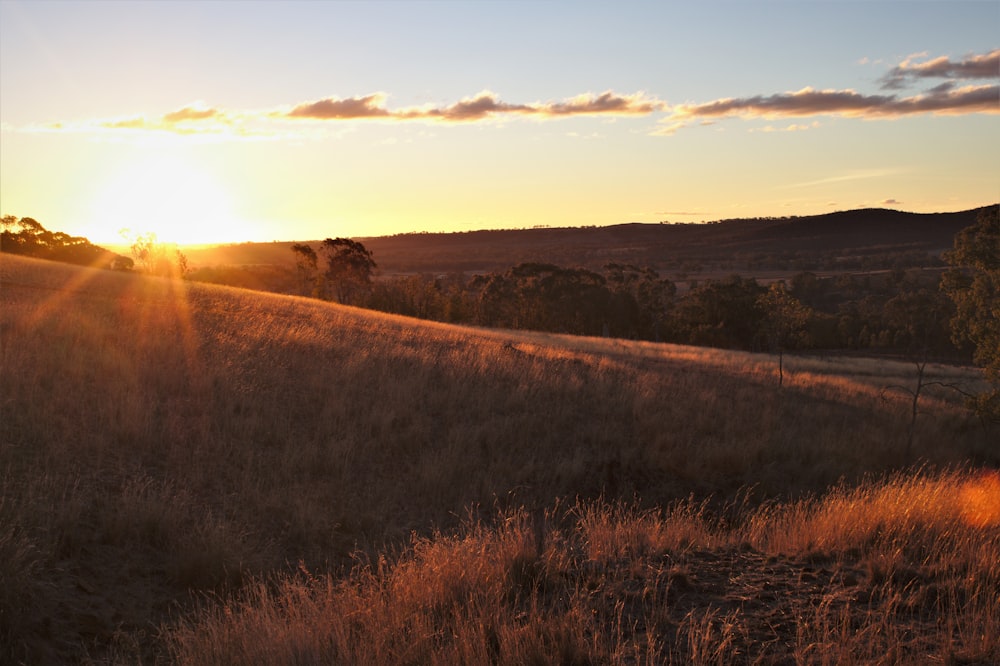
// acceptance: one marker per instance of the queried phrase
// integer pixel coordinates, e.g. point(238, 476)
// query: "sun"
point(169, 196)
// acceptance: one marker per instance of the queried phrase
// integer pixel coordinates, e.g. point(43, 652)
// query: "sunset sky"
point(230, 121)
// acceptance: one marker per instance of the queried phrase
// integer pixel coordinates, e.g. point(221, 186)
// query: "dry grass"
point(162, 438)
point(613, 585)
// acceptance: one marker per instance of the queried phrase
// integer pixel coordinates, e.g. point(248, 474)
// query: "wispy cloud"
point(860, 174)
point(957, 95)
point(194, 120)
point(198, 112)
point(984, 66)
point(809, 102)
point(962, 88)
point(483, 106)
point(199, 119)
point(353, 108)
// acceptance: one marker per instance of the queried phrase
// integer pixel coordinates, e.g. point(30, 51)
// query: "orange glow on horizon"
point(168, 196)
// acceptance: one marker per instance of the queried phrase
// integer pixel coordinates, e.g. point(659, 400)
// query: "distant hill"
point(808, 240)
point(870, 227)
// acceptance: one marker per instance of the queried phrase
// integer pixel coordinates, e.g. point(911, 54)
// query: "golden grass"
point(161, 438)
point(611, 584)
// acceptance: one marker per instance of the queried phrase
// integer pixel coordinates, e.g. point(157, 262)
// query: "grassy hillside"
point(357, 487)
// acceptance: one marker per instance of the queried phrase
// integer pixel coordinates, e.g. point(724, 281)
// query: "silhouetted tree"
point(307, 268)
point(155, 257)
point(973, 284)
point(917, 324)
point(543, 297)
point(640, 300)
point(28, 237)
point(349, 269)
point(720, 313)
point(809, 289)
point(783, 323)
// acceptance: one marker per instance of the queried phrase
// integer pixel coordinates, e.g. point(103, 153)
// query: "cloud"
point(848, 103)
point(954, 96)
point(961, 88)
point(195, 121)
point(669, 130)
point(213, 123)
point(892, 202)
point(482, 106)
point(354, 108)
point(984, 66)
point(192, 119)
point(137, 123)
point(805, 102)
point(860, 174)
point(606, 103)
point(194, 113)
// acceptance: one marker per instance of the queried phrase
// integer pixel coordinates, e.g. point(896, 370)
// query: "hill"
point(363, 488)
point(812, 241)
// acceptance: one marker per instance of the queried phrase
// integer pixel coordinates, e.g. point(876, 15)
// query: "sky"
point(207, 122)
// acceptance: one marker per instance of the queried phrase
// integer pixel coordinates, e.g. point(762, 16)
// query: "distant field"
point(199, 474)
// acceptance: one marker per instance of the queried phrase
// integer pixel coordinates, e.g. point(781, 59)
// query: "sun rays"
point(154, 312)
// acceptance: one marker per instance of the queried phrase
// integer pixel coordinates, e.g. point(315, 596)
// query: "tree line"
point(900, 311)
point(914, 313)
point(26, 236)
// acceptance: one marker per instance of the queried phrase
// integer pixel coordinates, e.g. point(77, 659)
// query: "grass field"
point(194, 474)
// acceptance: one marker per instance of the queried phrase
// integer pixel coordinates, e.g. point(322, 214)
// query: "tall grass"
point(161, 438)
point(613, 584)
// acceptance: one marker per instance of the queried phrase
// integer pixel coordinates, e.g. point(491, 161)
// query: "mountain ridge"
point(663, 245)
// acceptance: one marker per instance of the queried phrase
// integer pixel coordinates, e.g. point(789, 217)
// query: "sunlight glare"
point(169, 197)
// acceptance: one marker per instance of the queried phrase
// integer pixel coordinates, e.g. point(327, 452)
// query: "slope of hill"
point(162, 438)
point(661, 246)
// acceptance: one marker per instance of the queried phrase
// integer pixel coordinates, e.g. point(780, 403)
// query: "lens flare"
point(980, 500)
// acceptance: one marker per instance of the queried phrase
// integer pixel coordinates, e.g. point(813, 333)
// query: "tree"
point(784, 322)
point(973, 283)
point(543, 297)
point(721, 313)
point(307, 267)
point(28, 237)
point(640, 300)
point(915, 321)
point(155, 257)
point(349, 269)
